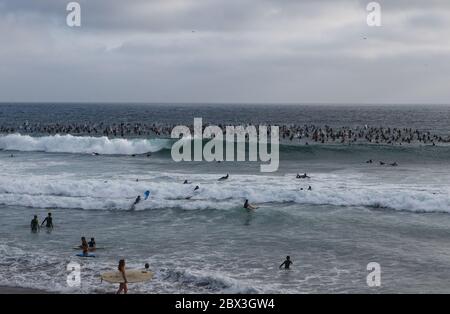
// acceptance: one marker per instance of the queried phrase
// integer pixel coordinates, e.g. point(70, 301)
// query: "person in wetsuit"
point(224, 177)
point(286, 263)
point(48, 220)
point(34, 224)
point(138, 199)
point(92, 244)
point(249, 206)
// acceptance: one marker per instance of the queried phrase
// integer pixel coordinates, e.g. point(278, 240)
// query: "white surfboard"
point(133, 276)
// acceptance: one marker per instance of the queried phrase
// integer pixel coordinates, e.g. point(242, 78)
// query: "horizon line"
point(222, 103)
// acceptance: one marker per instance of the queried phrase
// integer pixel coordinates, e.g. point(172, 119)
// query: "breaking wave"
point(82, 144)
point(268, 192)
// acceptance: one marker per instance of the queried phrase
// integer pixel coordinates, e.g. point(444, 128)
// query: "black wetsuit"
point(91, 243)
point(34, 224)
point(49, 221)
point(286, 264)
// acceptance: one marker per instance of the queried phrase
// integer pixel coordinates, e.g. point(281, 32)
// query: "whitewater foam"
point(267, 191)
point(82, 144)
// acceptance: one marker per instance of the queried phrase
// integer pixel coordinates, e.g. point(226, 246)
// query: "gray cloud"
point(225, 51)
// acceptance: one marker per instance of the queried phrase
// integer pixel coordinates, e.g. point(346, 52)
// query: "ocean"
point(355, 213)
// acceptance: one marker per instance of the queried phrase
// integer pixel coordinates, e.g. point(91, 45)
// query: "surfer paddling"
point(224, 177)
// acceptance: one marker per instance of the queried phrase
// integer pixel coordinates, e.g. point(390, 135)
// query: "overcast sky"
point(316, 51)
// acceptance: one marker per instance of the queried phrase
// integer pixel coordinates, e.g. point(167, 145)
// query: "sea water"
point(356, 213)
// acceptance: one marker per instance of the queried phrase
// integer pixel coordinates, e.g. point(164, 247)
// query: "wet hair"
point(35, 216)
point(92, 239)
point(49, 214)
point(288, 257)
point(147, 265)
point(121, 264)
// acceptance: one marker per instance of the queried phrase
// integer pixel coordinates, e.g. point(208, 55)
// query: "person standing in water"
point(286, 263)
point(92, 244)
point(34, 224)
point(49, 221)
point(123, 286)
point(84, 246)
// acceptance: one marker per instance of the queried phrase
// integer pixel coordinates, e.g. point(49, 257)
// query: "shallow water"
point(356, 213)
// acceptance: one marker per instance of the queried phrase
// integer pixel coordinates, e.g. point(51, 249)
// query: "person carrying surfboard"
point(123, 286)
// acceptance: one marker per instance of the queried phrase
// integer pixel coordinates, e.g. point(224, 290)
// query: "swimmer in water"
point(303, 176)
point(286, 263)
point(382, 163)
point(186, 182)
point(224, 178)
point(92, 245)
point(34, 224)
point(195, 189)
point(249, 206)
point(136, 201)
point(309, 188)
point(48, 221)
point(394, 164)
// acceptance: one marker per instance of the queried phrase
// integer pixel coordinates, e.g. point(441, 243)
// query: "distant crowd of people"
point(307, 133)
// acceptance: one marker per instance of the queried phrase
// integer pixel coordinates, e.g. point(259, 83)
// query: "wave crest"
point(82, 144)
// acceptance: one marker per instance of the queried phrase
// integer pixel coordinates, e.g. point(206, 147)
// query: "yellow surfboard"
point(133, 276)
